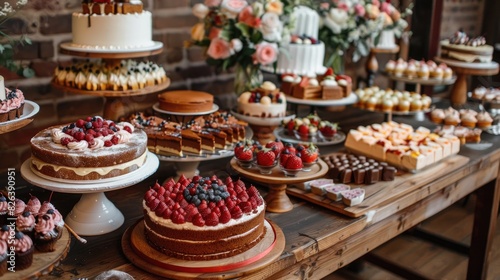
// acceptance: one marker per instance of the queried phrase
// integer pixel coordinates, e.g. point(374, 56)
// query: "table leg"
point(263, 133)
point(483, 232)
point(458, 94)
point(277, 200)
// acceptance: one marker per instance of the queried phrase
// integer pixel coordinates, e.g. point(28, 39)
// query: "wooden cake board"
point(140, 253)
point(43, 262)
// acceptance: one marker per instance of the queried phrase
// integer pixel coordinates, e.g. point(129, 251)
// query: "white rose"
point(231, 8)
point(236, 45)
point(200, 11)
point(258, 9)
point(336, 20)
point(271, 27)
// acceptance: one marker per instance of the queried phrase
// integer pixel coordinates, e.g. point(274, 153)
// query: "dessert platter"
point(368, 197)
point(90, 157)
point(466, 56)
point(15, 111)
point(310, 129)
point(203, 138)
point(217, 228)
point(131, 37)
point(277, 201)
point(36, 242)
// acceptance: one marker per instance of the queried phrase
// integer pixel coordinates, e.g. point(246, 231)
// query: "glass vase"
point(246, 78)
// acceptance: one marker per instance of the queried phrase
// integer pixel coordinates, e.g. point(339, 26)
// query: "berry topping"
point(266, 157)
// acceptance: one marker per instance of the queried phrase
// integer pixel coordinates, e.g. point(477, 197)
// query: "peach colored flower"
point(219, 49)
point(274, 6)
point(372, 11)
point(247, 17)
point(266, 53)
point(200, 10)
point(231, 8)
point(212, 3)
point(386, 7)
point(198, 31)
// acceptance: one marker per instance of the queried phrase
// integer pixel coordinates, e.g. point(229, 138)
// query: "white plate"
point(262, 121)
point(351, 99)
point(77, 48)
point(84, 186)
point(156, 107)
point(318, 140)
point(30, 109)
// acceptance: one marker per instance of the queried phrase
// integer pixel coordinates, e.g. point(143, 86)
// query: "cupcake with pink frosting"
point(3, 257)
point(4, 210)
point(25, 223)
point(46, 233)
point(23, 248)
point(33, 205)
point(19, 207)
point(13, 106)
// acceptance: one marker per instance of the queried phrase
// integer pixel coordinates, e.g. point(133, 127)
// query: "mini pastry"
point(423, 72)
point(416, 105)
point(390, 66)
point(468, 120)
point(353, 197)
point(46, 234)
point(3, 257)
point(404, 106)
point(484, 120)
point(437, 116)
point(333, 191)
point(23, 248)
point(25, 223)
point(452, 119)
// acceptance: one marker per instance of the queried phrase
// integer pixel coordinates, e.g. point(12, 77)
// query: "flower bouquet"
point(242, 34)
point(394, 21)
point(349, 23)
point(8, 44)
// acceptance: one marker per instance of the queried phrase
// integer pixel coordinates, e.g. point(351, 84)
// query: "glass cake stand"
point(94, 214)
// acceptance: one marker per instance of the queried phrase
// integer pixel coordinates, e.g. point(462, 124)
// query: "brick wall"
point(48, 24)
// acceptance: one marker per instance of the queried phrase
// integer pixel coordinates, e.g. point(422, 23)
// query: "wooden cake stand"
point(277, 200)
point(418, 82)
point(458, 94)
point(117, 103)
point(137, 249)
point(43, 263)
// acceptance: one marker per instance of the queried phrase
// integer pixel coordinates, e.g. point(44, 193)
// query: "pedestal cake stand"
point(116, 102)
point(263, 128)
point(277, 200)
point(94, 214)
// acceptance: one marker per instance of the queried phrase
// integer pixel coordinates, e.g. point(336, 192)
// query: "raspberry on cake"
point(203, 218)
point(264, 102)
point(88, 149)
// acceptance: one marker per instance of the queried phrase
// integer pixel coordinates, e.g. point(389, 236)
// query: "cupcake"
point(45, 207)
point(57, 217)
point(437, 116)
point(387, 105)
point(19, 209)
point(25, 223)
point(484, 120)
point(426, 102)
point(423, 72)
point(371, 103)
point(451, 119)
point(46, 234)
point(390, 66)
point(447, 73)
point(3, 257)
point(4, 232)
point(468, 120)
point(23, 248)
point(416, 105)
point(3, 209)
point(479, 93)
point(437, 73)
point(33, 205)
point(404, 105)
point(399, 70)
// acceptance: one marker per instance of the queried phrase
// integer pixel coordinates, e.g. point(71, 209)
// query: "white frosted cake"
point(266, 102)
point(118, 25)
point(305, 53)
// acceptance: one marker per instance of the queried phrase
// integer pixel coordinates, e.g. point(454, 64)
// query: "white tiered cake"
point(305, 53)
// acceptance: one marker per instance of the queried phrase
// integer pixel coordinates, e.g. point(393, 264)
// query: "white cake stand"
point(94, 214)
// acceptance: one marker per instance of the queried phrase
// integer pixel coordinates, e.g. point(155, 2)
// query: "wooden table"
point(318, 241)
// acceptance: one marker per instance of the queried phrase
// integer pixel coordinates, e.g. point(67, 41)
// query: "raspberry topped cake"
point(203, 218)
point(88, 149)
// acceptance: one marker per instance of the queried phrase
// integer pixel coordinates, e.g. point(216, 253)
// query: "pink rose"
point(231, 8)
point(376, 3)
point(212, 3)
point(219, 49)
point(386, 8)
point(214, 33)
point(266, 53)
point(324, 6)
point(360, 10)
point(246, 16)
point(343, 6)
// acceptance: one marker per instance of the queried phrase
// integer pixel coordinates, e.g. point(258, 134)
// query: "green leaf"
point(245, 29)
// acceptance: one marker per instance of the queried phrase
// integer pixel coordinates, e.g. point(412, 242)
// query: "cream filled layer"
point(189, 226)
point(82, 171)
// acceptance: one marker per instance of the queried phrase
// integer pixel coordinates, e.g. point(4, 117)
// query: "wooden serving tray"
point(43, 263)
point(140, 253)
point(382, 193)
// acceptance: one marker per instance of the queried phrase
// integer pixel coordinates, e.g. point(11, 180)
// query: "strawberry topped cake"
point(203, 218)
point(88, 149)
